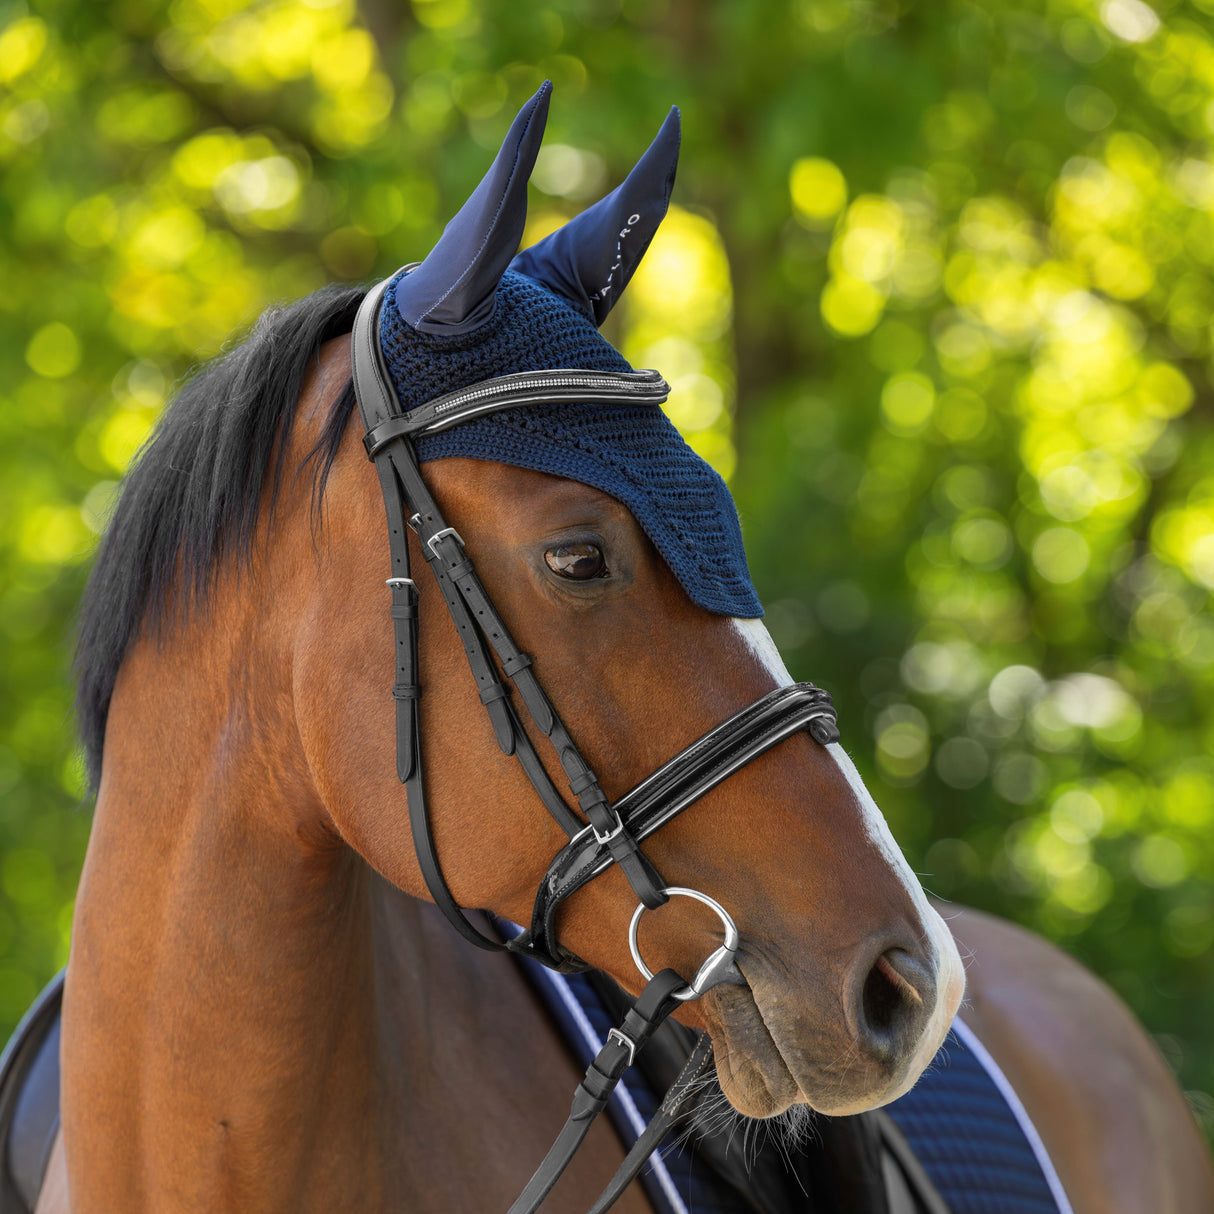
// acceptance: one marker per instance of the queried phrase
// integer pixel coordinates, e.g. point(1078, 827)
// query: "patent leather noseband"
point(605, 833)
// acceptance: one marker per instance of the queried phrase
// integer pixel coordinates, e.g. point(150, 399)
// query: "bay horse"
point(264, 1008)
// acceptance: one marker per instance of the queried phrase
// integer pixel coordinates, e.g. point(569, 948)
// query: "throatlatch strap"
point(590, 1097)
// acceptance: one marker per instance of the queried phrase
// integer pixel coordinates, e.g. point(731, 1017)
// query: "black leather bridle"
point(610, 833)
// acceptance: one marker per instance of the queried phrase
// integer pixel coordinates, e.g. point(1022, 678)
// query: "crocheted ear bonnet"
point(473, 310)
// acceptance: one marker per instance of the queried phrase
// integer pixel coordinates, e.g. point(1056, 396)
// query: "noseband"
point(606, 834)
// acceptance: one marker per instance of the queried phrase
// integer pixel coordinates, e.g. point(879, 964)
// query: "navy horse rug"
point(961, 1128)
point(959, 1142)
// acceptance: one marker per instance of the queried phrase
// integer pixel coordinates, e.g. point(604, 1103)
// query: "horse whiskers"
point(714, 1116)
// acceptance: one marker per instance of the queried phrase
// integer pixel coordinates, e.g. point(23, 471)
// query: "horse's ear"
point(452, 291)
point(591, 258)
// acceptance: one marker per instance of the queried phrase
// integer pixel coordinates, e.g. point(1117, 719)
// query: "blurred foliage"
point(938, 300)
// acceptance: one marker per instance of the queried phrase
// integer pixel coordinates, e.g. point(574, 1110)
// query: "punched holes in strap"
point(446, 548)
point(466, 599)
point(405, 691)
point(494, 697)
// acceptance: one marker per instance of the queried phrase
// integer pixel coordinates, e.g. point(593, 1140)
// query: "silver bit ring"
point(718, 966)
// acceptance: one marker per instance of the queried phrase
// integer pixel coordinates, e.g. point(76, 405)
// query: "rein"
point(606, 834)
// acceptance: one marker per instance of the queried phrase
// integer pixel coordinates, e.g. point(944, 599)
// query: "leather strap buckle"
point(432, 542)
point(613, 833)
point(623, 1039)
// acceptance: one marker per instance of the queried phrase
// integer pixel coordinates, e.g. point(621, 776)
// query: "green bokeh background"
point(937, 299)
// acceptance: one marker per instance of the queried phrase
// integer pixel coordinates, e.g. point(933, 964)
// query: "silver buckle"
point(617, 830)
point(624, 1040)
point(438, 535)
point(399, 581)
point(716, 969)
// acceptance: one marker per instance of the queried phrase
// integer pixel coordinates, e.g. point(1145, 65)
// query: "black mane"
point(192, 498)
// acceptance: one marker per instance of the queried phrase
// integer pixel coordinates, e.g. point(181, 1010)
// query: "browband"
point(480, 629)
point(556, 387)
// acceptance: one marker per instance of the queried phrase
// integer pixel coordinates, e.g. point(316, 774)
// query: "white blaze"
point(950, 973)
point(758, 641)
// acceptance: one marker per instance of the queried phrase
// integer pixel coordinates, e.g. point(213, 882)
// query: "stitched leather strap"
point(614, 832)
point(678, 1103)
point(602, 1075)
point(444, 551)
point(556, 387)
point(691, 774)
point(477, 622)
point(372, 384)
point(377, 402)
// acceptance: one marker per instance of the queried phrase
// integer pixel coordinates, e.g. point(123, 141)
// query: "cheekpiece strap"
point(377, 402)
point(613, 832)
point(389, 442)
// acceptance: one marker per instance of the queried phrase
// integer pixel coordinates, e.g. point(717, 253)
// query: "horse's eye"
point(578, 561)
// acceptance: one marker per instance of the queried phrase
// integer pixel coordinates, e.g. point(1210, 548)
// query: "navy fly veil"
point(473, 310)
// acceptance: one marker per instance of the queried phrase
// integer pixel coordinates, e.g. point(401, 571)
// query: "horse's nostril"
point(882, 998)
point(894, 1003)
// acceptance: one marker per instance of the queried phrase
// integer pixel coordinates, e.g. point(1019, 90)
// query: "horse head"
point(237, 709)
point(614, 558)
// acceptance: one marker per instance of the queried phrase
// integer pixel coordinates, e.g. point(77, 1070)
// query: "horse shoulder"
point(1107, 1108)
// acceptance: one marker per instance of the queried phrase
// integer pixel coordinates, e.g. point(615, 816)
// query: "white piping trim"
point(591, 1038)
point(1000, 1080)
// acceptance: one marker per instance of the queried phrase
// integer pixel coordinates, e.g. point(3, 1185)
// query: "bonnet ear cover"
point(473, 311)
point(590, 260)
point(452, 291)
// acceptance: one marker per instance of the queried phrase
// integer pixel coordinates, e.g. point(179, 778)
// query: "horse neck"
point(264, 1025)
point(221, 1003)
point(254, 1018)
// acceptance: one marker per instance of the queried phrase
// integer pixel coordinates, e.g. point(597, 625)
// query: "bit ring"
point(713, 970)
